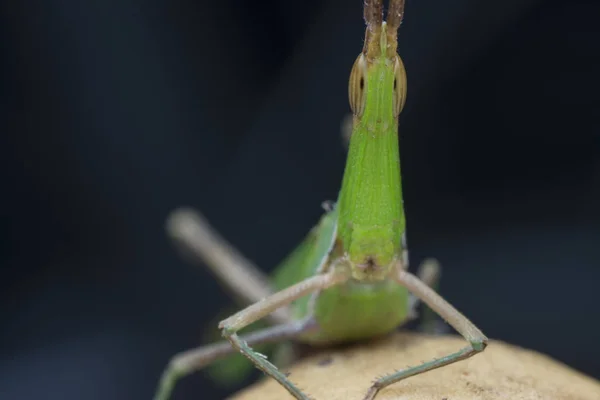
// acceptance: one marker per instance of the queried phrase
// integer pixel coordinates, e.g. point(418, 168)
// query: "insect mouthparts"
point(369, 265)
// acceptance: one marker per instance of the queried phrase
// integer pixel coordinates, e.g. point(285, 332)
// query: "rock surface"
point(502, 371)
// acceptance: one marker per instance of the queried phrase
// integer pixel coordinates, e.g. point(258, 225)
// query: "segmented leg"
point(197, 238)
point(477, 340)
point(429, 272)
point(256, 311)
point(192, 360)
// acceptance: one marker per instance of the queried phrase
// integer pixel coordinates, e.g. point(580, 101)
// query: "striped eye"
point(357, 86)
point(399, 86)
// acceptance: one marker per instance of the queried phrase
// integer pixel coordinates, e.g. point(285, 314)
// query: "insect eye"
point(357, 86)
point(399, 86)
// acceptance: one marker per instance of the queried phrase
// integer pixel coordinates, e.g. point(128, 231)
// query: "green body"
point(369, 213)
point(371, 220)
point(365, 227)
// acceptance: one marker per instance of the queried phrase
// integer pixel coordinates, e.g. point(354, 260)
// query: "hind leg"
point(196, 238)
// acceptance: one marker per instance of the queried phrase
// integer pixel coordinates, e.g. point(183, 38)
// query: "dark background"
point(115, 112)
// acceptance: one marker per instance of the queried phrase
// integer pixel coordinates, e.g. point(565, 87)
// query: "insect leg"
point(477, 340)
point(194, 234)
point(188, 361)
point(256, 311)
point(429, 272)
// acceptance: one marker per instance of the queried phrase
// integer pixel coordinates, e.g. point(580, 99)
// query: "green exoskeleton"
point(348, 279)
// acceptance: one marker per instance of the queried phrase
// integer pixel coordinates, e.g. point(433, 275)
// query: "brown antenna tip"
point(373, 13)
point(395, 14)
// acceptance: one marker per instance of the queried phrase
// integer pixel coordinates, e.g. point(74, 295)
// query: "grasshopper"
point(348, 279)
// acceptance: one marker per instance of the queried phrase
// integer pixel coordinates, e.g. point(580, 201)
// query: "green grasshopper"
point(348, 279)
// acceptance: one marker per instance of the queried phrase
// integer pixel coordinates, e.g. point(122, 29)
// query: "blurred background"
point(115, 112)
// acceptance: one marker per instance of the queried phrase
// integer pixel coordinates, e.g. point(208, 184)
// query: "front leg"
point(429, 273)
point(477, 340)
point(259, 310)
point(192, 360)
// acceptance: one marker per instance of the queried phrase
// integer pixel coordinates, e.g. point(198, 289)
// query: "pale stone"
point(502, 371)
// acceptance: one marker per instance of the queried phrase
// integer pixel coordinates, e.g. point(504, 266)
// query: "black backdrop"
point(115, 112)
